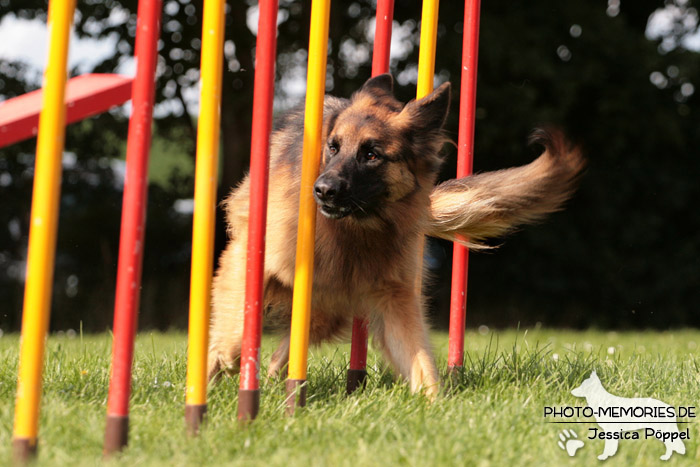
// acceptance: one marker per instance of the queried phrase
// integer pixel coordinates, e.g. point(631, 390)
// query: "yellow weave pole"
point(313, 121)
point(426, 72)
point(204, 212)
point(428, 44)
point(42, 231)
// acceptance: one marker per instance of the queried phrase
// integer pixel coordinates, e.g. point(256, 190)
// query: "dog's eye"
point(370, 156)
point(333, 149)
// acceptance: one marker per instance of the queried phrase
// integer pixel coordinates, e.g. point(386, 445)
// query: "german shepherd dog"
point(377, 201)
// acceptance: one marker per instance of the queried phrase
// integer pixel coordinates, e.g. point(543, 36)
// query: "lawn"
point(492, 416)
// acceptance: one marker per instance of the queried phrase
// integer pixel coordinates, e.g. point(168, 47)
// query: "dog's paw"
point(431, 392)
point(569, 443)
point(220, 365)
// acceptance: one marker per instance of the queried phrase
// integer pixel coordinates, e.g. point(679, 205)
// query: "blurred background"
point(619, 76)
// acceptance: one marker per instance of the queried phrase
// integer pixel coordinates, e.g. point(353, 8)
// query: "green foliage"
point(623, 253)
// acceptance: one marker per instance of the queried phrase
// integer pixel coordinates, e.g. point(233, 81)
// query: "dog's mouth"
point(334, 212)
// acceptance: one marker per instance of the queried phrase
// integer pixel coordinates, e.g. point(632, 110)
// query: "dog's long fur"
point(376, 200)
point(490, 204)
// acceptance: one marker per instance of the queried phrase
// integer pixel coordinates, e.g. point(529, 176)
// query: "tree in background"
point(621, 255)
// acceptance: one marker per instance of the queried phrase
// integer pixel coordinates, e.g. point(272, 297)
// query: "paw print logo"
point(569, 442)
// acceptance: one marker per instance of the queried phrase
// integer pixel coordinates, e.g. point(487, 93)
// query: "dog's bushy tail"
point(490, 204)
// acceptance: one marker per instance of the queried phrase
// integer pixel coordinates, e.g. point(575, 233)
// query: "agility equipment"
point(263, 94)
point(465, 156)
point(82, 96)
point(205, 182)
point(426, 70)
point(424, 86)
point(357, 373)
point(133, 226)
point(42, 232)
point(86, 95)
point(91, 94)
point(428, 44)
point(303, 276)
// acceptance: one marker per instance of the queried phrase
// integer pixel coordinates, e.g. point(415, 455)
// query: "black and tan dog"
point(377, 200)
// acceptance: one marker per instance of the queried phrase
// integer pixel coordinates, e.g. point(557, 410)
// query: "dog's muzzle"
point(327, 193)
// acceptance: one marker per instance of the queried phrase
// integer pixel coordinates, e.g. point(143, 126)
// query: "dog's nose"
point(326, 190)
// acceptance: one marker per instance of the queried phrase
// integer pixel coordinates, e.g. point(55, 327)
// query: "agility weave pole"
point(428, 44)
point(42, 232)
point(206, 167)
point(357, 373)
point(424, 86)
point(303, 276)
point(133, 225)
point(263, 94)
point(465, 157)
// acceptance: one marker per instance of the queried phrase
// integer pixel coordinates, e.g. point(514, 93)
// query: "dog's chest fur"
point(349, 257)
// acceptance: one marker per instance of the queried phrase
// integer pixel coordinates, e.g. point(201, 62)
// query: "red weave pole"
point(465, 156)
point(382, 37)
point(133, 224)
point(380, 65)
point(263, 94)
point(358, 350)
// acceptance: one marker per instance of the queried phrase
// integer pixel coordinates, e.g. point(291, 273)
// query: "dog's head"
point(588, 386)
point(379, 151)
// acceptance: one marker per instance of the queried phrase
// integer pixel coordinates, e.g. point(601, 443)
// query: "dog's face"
point(379, 151)
point(588, 385)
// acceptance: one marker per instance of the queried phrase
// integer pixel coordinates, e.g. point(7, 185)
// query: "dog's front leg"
point(401, 332)
point(228, 301)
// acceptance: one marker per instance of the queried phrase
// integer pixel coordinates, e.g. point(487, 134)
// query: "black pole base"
point(194, 416)
point(356, 379)
point(24, 450)
point(116, 434)
point(296, 394)
point(248, 404)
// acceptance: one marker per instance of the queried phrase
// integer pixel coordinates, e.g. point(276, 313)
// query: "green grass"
point(494, 416)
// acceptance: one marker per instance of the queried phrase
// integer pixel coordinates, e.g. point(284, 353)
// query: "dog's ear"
point(430, 112)
point(381, 85)
point(594, 375)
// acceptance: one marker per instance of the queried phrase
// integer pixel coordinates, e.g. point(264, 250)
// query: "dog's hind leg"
point(401, 332)
point(279, 358)
point(228, 300)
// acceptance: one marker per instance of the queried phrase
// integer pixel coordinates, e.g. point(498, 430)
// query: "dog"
point(376, 198)
point(608, 412)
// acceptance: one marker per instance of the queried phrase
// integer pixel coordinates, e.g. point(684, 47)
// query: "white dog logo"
point(620, 417)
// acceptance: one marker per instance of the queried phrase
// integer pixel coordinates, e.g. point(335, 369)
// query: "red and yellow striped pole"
point(465, 155)
point(380, 64)
point(42, 232)
point(304, 268)
point(263, 94)
point(204, 212)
